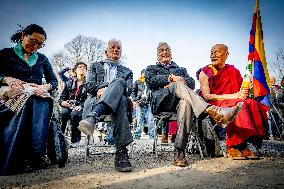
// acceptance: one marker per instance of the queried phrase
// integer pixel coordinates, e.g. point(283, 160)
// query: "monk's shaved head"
point(219, 54)
point(222, 46)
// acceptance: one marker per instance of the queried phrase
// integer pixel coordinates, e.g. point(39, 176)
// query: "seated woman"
point(25, 115)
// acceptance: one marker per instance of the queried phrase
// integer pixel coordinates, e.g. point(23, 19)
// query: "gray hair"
point(111, 41)
point(161, 44)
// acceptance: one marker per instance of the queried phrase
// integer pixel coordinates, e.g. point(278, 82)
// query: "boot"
point(87, 126)
point(179, 158)
point(27, 166)
point(121, 162)
point(223, 116)
point(40, 162)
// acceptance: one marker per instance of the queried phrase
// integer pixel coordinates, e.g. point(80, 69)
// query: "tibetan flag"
point(260, 76)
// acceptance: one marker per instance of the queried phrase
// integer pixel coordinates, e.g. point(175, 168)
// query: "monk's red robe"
point(251, 120)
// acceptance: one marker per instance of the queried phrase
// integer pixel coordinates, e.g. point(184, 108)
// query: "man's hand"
point(101, 91)
point(177, 78)
point(174, 78)
point(243, 93)
point(65, 104)
point(77, 108)
point(168, 85)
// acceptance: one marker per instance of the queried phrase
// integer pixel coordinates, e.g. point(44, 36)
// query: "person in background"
point(143, 108)
point(275, 117)
point(71, 72)
point(25, 117)
point(72, 100)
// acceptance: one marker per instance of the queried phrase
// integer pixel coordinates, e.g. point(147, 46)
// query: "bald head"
point(219, 54)
point(221, 46)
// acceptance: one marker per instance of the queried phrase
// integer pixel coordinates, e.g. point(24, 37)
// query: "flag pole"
point(247, 81)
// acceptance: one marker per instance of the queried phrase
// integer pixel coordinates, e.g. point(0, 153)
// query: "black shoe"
point(27, 166)
point(122, 163)
point(39, 163)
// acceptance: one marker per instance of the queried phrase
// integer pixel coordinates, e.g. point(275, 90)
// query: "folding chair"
point(89, 144)
point(210, 143)
point(171, 116)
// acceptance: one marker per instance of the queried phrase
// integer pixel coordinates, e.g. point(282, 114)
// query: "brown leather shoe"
point(179, 158)
point(235, 154)
point(249, 154)
point(223, 116)
point(164, 138)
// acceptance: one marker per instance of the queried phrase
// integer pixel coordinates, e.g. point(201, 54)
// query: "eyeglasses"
point(164, 50)
point(82, 67)
point(35, 42)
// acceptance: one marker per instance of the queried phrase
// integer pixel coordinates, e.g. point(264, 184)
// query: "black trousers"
point(75, 117)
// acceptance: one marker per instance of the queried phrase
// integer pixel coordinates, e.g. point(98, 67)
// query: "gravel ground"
point(150, 172)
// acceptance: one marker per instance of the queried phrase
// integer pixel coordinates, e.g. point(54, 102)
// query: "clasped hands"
point(173, 78)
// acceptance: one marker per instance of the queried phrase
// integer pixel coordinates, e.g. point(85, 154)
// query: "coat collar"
point(172, 65)
point(112, 62)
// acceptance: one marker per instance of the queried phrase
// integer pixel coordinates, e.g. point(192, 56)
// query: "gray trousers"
point(186, 102)
point(115, 98)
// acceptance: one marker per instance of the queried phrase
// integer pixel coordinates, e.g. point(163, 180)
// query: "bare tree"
point(79, 49)
point(75, 48)
point(94, 49)
point(85, 49)
point(277, 66)
point(59, 60)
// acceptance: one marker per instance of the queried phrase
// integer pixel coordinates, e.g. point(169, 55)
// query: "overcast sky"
point(191, 27)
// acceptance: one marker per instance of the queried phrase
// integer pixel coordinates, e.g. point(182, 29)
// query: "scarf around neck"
point(19, 50)
point(110, 67)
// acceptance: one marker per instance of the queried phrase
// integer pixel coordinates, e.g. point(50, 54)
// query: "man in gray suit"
point(172, 90)
point(113, 83)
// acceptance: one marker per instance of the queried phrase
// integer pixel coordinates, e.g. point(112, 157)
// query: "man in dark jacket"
point(172, 90)
point(72, 101)
point(114, 82)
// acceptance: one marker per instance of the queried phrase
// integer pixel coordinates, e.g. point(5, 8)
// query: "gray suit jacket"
point(96, 75)
point(95, 81)
point(156, 77)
